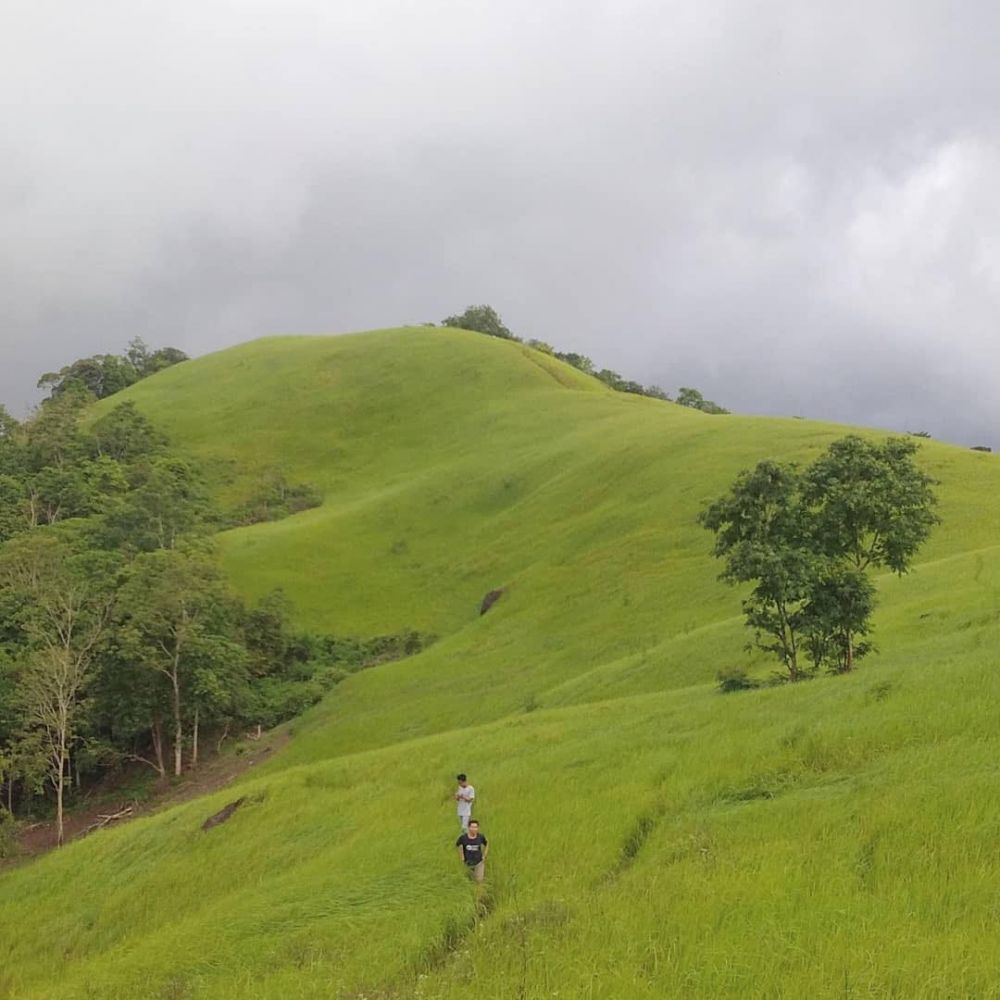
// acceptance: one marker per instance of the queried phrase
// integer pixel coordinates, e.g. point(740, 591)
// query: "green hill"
point(650, 837)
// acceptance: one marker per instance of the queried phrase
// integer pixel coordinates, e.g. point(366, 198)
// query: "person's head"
point(462, 780)
point(473, 827)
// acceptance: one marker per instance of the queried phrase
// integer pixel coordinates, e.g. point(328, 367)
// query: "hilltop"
point(652, 837)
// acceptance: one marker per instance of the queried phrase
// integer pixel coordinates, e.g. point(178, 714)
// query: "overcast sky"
point(792, 206)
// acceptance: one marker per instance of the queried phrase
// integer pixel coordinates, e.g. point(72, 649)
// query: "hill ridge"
point(446, 471)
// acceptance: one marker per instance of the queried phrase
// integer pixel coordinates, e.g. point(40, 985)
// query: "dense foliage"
point(804, 539)
point(119, 638)
point(105, 374)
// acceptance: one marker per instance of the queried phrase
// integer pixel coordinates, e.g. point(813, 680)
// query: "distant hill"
point(651, 837)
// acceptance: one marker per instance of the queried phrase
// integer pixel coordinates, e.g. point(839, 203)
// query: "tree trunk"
point(788, 643)
point(175, 680)
point(178, 736)
point(60, 783)
point(157, 735)
point(194, 741)
point(849, 660)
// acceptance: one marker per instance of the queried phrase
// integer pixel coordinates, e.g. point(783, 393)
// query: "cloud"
point(787, 205)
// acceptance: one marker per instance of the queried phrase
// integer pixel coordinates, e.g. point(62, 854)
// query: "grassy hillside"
point(651, 838)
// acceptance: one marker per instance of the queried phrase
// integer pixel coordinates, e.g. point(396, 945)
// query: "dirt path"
point(212, 774)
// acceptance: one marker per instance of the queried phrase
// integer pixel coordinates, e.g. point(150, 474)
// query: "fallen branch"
point(103, 819)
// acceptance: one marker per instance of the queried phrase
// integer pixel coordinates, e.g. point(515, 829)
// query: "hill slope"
point(650, 837)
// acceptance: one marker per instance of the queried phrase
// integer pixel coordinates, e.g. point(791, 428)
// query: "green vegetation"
point(687, 396)
point(485, 319)
point(649, 837)
point(120, 640)
point(805, 540)
point(105, 374)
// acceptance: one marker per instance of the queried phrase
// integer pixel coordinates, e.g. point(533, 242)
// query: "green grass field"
point(650, 837)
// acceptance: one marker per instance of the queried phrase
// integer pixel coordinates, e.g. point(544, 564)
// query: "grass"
point(650, 837)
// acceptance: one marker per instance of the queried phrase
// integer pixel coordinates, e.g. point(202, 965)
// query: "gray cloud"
point(791, 206)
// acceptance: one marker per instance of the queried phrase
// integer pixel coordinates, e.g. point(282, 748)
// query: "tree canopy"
point(686, 396)
point(804, 539)
point(119, 638)
point(103, 375)
point(482, 319)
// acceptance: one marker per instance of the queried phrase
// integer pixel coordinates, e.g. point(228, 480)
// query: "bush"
point(481, 319)
point(735, 679)
point(8, 834)
point(276, 499)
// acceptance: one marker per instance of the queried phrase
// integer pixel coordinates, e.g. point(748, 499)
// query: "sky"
point(791, 206)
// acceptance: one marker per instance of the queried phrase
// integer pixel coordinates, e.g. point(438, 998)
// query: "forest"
point(121, 644)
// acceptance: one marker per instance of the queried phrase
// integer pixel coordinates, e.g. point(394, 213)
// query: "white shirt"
point(466, 796)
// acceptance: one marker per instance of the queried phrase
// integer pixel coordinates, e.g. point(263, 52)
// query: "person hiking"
point(472, 849)
point(465, 796)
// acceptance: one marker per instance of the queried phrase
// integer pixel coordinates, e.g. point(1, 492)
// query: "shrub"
point(735, 679)
point(8, 834)
point(276, 499)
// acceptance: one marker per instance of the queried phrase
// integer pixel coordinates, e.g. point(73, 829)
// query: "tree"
point(52, 436)
point(761, 533)
point(178, 622)
point(655, 392)
point(102, 375)
point(167, 501)
point(611, 378)
point(481, 319)
point(580, 361)
point(125, 434)
point(871, 505)
point(165, 357)
point(13, 517)
point(837, 616)
point(806, 539)
point(10, 431)
point(541, 345)
point(686, 396)
point(66, 600)
point(137, 354)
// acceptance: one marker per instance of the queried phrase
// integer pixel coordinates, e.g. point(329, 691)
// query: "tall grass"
point(650, 837)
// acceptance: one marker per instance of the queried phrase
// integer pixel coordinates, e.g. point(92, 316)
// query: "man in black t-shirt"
point(472, 849)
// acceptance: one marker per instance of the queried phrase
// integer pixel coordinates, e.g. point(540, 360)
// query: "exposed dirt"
point(490, 599)
point(223, 814)
point(89, 817)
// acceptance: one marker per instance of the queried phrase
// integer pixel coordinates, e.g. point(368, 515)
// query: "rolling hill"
point(650, 837)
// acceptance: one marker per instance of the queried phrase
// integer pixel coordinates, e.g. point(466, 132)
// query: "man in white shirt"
point(464, 796)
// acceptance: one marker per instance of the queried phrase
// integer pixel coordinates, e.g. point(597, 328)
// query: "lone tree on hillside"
point(805, 539)
point(482, 319)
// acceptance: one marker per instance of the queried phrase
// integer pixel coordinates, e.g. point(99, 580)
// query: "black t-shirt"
point(472, 847)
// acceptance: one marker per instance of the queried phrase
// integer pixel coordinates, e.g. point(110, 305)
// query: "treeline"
point(120, 640)
point(485, 319)
point(103, 375)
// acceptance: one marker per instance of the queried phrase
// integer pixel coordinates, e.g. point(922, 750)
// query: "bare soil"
point(86, 819)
